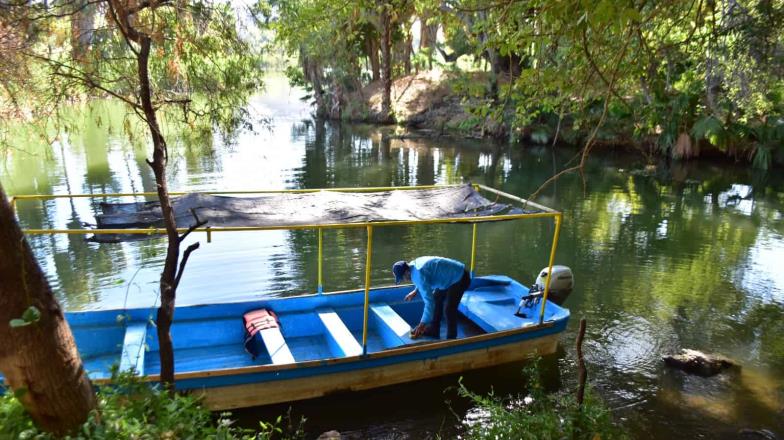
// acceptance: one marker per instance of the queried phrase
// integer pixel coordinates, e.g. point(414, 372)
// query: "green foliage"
point(707, 72)
point(539, 415)
point(205, 64)
point(768, 137)
point(132, 409)
point(29, 316)
point(710, 128)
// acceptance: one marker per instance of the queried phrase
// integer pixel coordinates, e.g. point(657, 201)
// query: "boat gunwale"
point(399, 351)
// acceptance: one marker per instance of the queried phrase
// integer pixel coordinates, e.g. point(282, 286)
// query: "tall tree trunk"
point(408, 50)
point(313, 75)
point(39, 360)
point(493, 58)
point(168, 282)
point(372, 49)
point(428, 34)
point(386, 63)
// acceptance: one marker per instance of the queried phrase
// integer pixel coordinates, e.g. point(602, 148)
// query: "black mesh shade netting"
point(297, 209)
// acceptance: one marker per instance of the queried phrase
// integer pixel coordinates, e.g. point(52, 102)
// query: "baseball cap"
point(399, 270)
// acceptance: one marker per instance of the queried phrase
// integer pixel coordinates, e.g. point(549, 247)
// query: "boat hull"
point(278, 391)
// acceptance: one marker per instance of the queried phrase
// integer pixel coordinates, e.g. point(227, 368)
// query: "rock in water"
point(697, 362)
point(329, 435)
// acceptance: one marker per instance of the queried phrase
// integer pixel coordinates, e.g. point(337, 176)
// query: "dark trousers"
point(448, 299)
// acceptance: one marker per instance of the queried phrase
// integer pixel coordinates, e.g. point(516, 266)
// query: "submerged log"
point(697, 362)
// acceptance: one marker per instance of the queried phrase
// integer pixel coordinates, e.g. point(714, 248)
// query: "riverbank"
point(435, 103)
point(430, 102)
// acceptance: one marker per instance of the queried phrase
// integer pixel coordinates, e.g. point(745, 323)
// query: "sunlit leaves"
point(31, 315)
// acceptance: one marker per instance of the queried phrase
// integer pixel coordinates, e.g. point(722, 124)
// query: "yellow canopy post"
point(368, 264)
point(473, 249)
point(558, 218)
point(320, 279)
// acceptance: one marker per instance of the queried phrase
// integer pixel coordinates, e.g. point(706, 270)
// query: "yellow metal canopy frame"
point(545, 212)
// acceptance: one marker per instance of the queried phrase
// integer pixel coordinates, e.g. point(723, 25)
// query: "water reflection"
point(688, 256)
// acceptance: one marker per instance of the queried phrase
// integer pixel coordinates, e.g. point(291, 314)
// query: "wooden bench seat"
point(276, 346)
point(134, 348)
point(393, 329)
point(341, 342)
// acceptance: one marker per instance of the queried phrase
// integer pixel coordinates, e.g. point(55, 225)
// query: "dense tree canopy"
point(669, 76)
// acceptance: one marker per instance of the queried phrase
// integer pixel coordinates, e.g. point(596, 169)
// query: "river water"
point(688, 256)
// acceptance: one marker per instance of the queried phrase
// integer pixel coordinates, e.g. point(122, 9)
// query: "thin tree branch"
point(591, 140)
point(199, 223)
point(184, 261)
point(147, 4)
point(80, 76)
point(591, 61)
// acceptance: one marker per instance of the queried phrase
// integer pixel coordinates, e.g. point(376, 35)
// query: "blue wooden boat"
point(323, 343)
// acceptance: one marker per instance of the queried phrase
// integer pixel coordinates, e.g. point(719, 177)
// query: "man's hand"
point(419, 330)
point(411, 295)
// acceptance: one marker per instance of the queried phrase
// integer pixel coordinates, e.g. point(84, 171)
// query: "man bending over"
point(441, 282)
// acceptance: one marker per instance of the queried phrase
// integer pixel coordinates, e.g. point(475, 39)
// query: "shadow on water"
point(688, 256)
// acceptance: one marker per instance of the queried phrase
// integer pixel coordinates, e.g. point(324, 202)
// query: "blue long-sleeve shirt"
point(431, 273)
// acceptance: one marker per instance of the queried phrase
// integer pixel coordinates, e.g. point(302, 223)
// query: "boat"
point(270, 350)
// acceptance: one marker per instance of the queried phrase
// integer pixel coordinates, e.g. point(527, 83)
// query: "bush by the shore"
point(539, 415)
point(131, 409)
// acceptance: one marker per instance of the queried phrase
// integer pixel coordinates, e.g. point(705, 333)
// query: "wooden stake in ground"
point(582, 373)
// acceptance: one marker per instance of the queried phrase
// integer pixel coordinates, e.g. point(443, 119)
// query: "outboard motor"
point(561, 284)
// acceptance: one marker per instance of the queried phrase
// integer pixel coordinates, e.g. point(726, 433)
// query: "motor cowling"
point(561, 283)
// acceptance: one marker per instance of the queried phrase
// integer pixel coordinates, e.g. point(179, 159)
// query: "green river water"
point(691, 256)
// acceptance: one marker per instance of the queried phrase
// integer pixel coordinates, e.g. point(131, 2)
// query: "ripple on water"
point(761, 276)
point(630, 344)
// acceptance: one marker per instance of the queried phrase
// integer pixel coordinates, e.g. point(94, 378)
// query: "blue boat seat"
point(276, 346)
point(492, 311)
point(341, 342)
point(393, 329)
point(133, 348)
